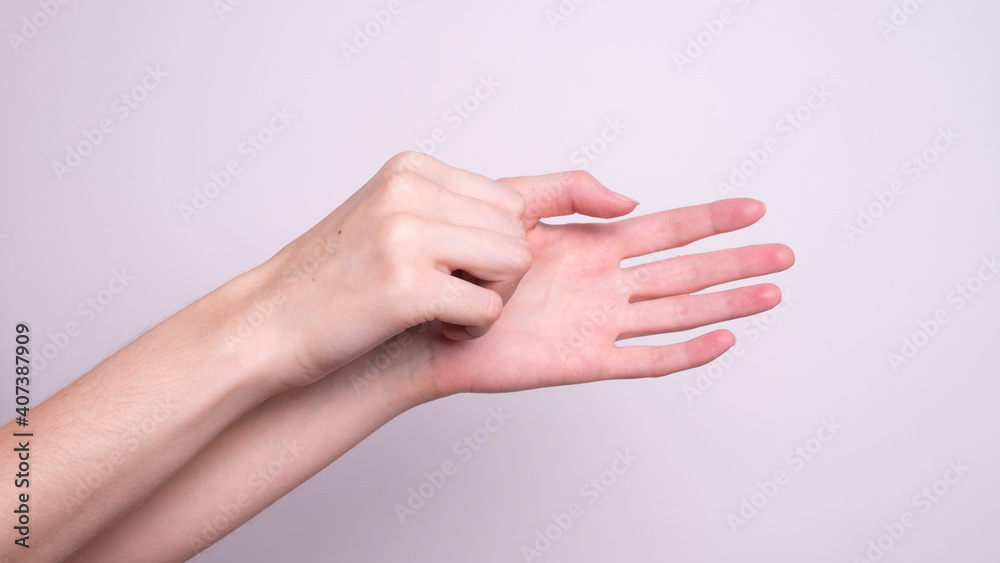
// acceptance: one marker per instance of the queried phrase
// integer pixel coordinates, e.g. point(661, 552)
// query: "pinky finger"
point(655, 361)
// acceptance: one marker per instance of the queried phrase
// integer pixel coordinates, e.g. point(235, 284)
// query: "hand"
point(577, 301)
point(383, 262)
point(559, 328)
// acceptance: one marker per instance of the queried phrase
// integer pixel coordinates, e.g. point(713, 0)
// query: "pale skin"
point(371, 283)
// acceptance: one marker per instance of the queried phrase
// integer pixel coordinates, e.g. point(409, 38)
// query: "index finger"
point(678, 227)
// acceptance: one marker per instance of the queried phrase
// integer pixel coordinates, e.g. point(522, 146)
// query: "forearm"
point(103, 443)
point(559, 328)
point(262, 456)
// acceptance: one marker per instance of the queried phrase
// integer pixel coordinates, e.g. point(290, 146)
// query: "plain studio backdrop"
point(152, 151)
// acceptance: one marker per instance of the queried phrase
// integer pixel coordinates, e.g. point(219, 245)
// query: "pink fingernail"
point(624, 197)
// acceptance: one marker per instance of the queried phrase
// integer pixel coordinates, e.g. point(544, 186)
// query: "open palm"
point(561, 325)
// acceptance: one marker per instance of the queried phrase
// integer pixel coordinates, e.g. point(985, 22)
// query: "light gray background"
point(826, 356)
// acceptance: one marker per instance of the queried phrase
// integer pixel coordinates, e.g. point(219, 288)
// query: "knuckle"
point(492, 306)
point(401, 280)
point(514, 203)
point(406, 161)
point(517, 203)
point(522, 256)
point(399, 187)
point(483, 238)
point(399, 230)
point(688, 274)
point(575, 177)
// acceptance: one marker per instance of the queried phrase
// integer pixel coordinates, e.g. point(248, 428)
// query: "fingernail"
point(624, 197)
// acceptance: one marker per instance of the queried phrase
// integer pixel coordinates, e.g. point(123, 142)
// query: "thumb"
point(566, 193)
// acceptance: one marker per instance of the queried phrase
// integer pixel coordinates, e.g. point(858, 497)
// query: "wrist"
point(396, 372)
point(245, 341)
